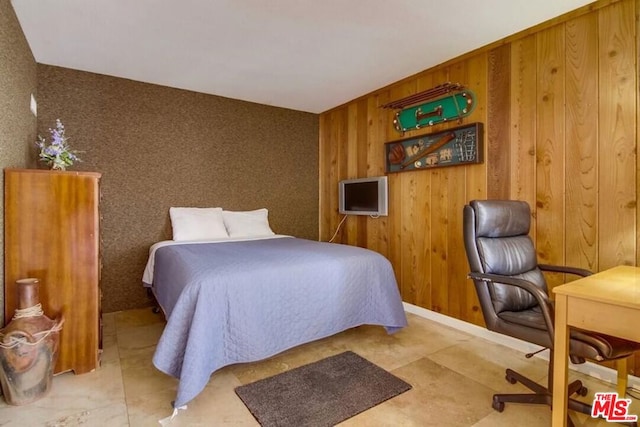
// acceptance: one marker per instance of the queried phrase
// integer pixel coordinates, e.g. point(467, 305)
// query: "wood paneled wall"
point(560, 108)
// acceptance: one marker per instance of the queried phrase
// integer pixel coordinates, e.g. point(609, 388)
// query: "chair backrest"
point(496, 238)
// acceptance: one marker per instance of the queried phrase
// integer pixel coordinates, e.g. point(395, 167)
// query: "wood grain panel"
point(439, 234)
point(617, 135)
point(326, 198)
point(360, 125)
point(476, 184)
point(550, 146)
point(410, 249)
point(523, 119)
point(378, 122)
point(581, 142)
point(477, 80)
point(455, 255)
point(361, 163)
point(335, 134)
point(499, 123)
point(404, 212)
point(419, 223)
point(52, 234)
point(561, 100)
point(353, 223)
point(634, 362)
point(456, 262)
point(440, 219)
point(637, 9)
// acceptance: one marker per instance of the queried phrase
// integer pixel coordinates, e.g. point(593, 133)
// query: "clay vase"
point(28, 348)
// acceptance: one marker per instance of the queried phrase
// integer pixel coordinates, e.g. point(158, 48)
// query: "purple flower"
point(53, 150)
point(57, 154)
point(56, 138)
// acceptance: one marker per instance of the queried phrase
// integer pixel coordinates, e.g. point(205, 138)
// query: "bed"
point(231, 301)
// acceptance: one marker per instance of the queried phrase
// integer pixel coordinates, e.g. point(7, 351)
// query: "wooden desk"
point(607, 302)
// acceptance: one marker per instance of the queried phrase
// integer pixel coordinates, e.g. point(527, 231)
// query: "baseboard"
point(592, 369)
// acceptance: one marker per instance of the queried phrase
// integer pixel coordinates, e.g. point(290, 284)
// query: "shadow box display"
point(455, 146)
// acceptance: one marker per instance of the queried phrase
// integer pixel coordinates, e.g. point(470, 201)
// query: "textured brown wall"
point(158, 147)
point(18, 80)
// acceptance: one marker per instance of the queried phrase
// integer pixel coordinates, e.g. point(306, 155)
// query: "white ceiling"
point(308, 55)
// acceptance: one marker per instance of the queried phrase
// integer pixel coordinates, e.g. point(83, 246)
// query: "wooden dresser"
point(51, 232)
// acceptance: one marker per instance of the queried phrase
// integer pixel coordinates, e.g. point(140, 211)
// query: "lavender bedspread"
point(245, 301)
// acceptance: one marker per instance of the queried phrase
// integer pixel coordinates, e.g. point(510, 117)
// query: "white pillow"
point(197, 223)
point(247, 223)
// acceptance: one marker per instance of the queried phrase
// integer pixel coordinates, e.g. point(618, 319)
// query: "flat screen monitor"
point(364, 196)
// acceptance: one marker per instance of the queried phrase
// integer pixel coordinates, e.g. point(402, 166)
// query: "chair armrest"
point(541, 297)
point(564, 269)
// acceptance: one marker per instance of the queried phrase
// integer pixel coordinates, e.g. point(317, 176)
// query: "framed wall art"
point(455, 146)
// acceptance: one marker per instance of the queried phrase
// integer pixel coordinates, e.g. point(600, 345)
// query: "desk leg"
point(623, 371)
point(560, 362)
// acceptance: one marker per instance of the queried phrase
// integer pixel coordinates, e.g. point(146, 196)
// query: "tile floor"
point(453, 375)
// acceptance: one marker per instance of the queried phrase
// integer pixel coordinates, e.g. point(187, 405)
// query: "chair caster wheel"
point(582, 391)
point(511, 379)
point(497, 405)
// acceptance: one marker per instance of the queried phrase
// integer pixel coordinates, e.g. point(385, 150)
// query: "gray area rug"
point(322, 393)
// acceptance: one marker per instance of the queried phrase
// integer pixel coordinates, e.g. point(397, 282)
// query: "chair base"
point(542, 396)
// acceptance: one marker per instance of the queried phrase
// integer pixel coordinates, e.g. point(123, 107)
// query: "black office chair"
point(514, 297)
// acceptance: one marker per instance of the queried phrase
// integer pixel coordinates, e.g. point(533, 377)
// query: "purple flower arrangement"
point(57, 154)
